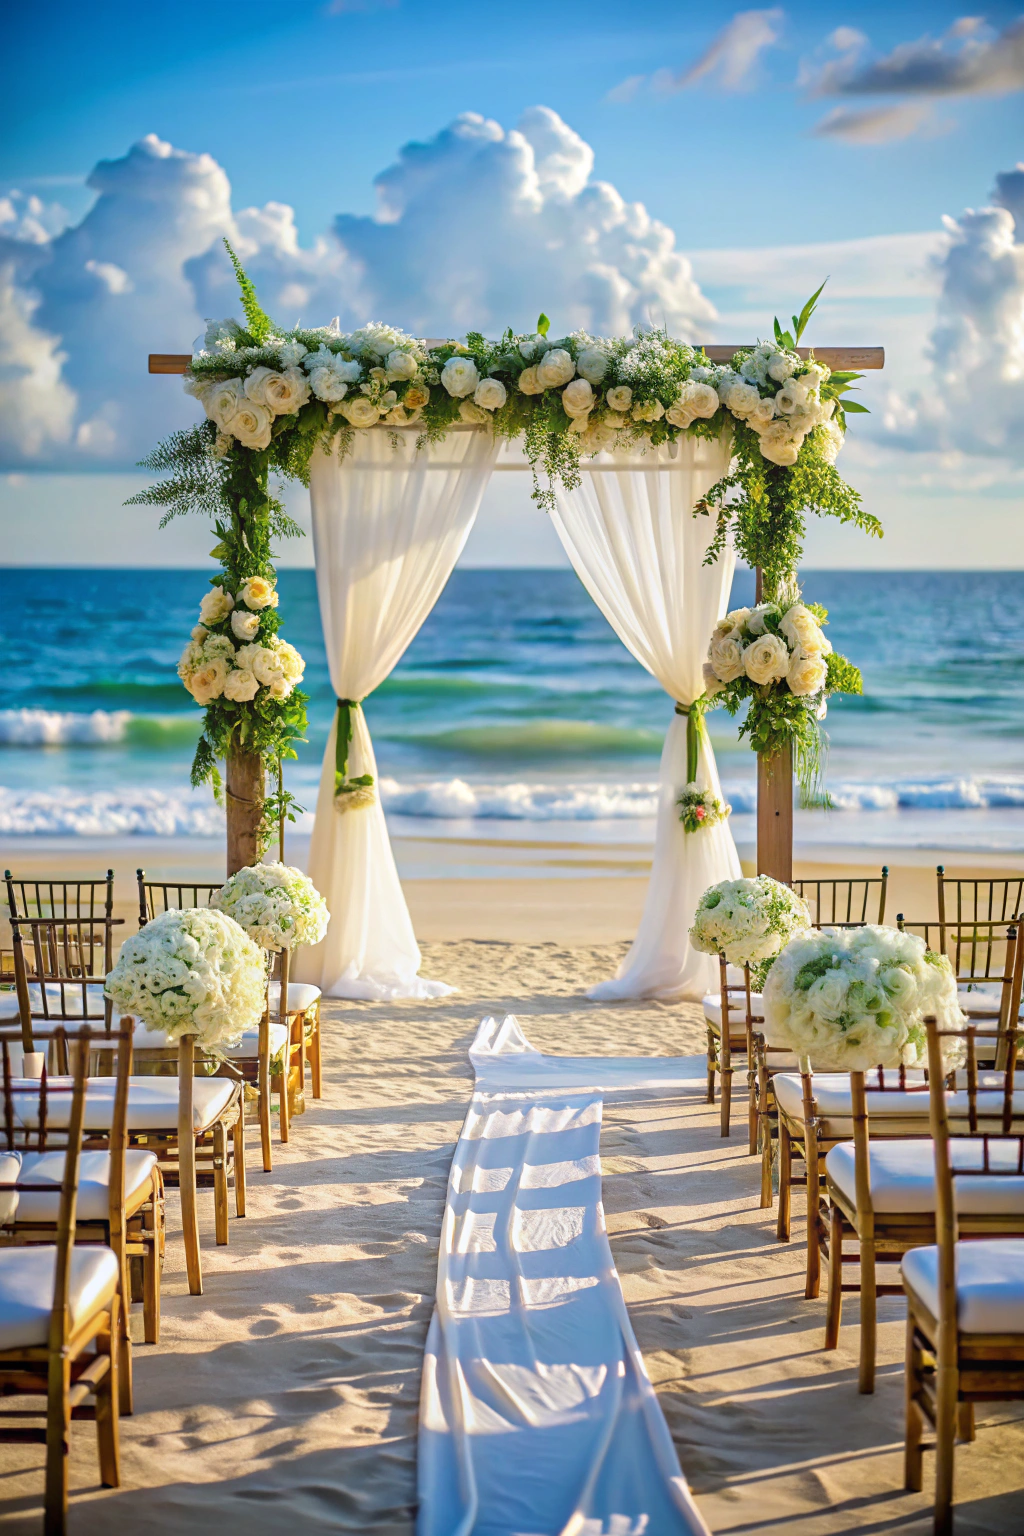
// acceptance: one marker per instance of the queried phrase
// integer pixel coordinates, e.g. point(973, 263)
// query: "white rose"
point(555, 368)
point(289, 660)
point(733, 621)
point(679, 414)
point(286, 393)
point(245, 626)
point(401, 365)
point(208, 682)
point(725, 655)
point(578, 398)
point(261, 660)
point(460, 376)
point(781, 367)
point(222, 401)
point(701, 398)
point(806, 674)
point(827, 995)
point(240, 685)
point(359, 412)
point(801, 628)
point(490, 394)
point(198, 388)
point(762, 415)
point(222, 444)
point(620, 398)
point(327, 385)
point(600, 435)
point(251, 424)
point(529, 383)
point(200, 633)
point(416, 397)
point(756, 617)
point(648, 410)
point(580, 425)
point(779, 445)
point(258, 593)
point(470, 411)
point(743, 399)
point(766, 660)
point(712, 682)
point(215, 606)
point(795, 395)
point(592, 364)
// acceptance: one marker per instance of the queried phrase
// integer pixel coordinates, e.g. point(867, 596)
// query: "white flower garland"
point(227, 656)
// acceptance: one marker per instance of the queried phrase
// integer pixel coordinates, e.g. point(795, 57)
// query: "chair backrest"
point(979, 949)
point(971, 901)
point(156, 896)
point(88, 899)
point(54, 976)
point(845, 903)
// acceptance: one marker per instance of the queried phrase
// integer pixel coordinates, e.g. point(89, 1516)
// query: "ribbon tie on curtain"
point(696, 731)
point(348, 793)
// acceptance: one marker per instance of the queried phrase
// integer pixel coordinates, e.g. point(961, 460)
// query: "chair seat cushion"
point(26, 1290)
point(978, 998)
point(93, 1183)
point(903, 1177)
point(832, 1095)
point(152, 1103)
point(156, 1040)
point(737, 1010)
point(9, 1005)
point(10, 1167)
point(301, 995)
point(989, 1283)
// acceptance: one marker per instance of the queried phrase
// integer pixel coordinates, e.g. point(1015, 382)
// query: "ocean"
point(517, 717)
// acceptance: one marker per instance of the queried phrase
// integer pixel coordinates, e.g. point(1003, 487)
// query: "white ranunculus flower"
point(471, 412)
point(781, 367)
point(258, 593)
point(358, 411)
point(555, 368)
point(222, 401)
point(401, 365)
point(207, 683)
point(601, 435)
point(801, 628)
point(241, 685)
point(251, 424)
point(328, 385)
point(460, 376)
point(280, 688)
point(592, 364)
point(620, 397)
point(766, 660)
point(578, 398)
point(807, 673)
point(245, 626)
point(215, 606)
point(529, 384)
point(726, 657)
point(779, 444)
point(490, 394)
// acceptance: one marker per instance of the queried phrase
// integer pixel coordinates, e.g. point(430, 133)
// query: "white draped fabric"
point(536, 1411)
point(389, 523)
point(630, 533)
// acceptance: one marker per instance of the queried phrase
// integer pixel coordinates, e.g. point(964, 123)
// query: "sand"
point(286, 1396)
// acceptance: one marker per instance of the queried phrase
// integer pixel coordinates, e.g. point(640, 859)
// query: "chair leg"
point(189, 1214)
point(712, 1059)
point(965, 1422)
point(946, 1387)
point(264, 1104)
point(726, 1105)
point(58, 1446)
point(812, 1283)
point(238, 1134)
point(315, 1056)
point(834, 1313)
point(751, 1110)
point(220, 1183)
point(151, 1281)
point(108, 1439)
point(868, 1311)
point(123, 1341)
point(783, 1225)
point(282, 1094)
point(912, 1458)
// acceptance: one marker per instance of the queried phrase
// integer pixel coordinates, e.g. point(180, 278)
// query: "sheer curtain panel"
point(389, 523)
point(634, 542)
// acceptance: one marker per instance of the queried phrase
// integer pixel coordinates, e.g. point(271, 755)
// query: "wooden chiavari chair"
point(59, 1310)
point(979, 958)
point(882, 1194)
point(194, 1125)
point(729, 1019)
point(87, 903)
point(963, 901)
point(120, 1195)
point(275, 1064)
point(965, 1300)
point(845, 903)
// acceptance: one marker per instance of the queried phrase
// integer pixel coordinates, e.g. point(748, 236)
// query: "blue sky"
point(777, 144)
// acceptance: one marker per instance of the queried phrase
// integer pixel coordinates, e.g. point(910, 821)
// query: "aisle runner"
point(537, 1417)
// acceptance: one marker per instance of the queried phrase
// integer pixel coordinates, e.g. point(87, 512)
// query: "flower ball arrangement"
point(749, 922)
point(277, 905)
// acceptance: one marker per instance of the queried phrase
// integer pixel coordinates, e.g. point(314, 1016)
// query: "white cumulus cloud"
point(479, 227)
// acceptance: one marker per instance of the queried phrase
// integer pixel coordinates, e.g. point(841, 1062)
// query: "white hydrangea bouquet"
point(192, 972)
point(278, 906)
point(699, 808)
point(776, 655)
point(748, 921)
point(852, 999)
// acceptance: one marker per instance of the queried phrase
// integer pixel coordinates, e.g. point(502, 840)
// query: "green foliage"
point(792, 338)
point(259, 323)
point(195, 477)
point(543, 324)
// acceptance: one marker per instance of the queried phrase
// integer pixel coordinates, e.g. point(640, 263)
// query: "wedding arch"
point(659, 462)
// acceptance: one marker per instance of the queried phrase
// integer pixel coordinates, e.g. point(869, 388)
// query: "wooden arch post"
point(774, 774)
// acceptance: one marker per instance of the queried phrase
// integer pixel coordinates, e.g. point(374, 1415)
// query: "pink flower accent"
point(700, 813)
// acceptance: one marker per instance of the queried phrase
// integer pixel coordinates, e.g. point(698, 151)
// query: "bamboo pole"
point(856, 358)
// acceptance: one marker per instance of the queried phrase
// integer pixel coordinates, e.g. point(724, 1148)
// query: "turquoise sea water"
point(516, 712)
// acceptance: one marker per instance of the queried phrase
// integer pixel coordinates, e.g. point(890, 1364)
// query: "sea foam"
point(58, 728)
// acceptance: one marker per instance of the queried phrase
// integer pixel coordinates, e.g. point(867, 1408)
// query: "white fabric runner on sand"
point(537, 1416)
point(635, 544)
point(389, 523)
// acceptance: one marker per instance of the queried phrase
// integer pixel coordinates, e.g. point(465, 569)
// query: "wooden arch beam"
point(856, 359)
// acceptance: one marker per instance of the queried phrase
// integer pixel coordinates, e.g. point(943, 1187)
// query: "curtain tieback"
point(696, 731)
point(348, 793)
